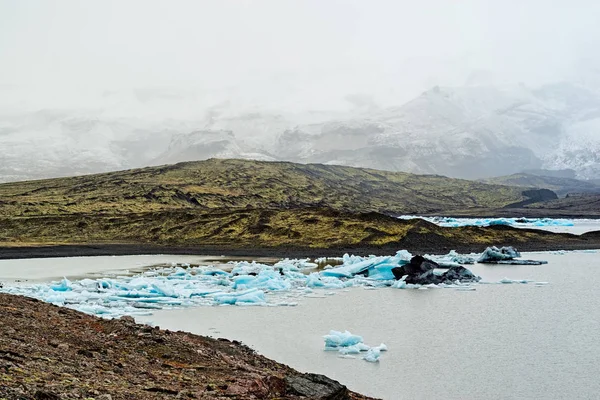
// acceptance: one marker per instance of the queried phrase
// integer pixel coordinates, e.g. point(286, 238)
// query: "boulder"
point(420, 271)
point(460, 273)
point(316, 386)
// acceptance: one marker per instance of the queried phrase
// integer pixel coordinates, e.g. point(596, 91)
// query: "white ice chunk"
point(372, 355)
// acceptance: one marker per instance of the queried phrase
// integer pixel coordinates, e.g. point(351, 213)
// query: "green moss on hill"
point(242, 184)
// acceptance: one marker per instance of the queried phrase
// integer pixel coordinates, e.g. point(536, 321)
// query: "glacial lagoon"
point(509, 341)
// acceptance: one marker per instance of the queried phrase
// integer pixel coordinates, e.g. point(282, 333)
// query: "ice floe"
point(505, 255)
point(451, 222)
point(345, 343)
point(246, 283)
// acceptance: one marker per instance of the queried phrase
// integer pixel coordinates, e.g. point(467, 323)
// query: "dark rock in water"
point(315, 386)
point(418, 265)
point(460, 273)
point(424, 278)
point(420, 271)
point(423, 263)
point(399, 272)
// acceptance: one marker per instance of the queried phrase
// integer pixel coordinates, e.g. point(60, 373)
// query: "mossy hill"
point(243, 184)
point(233, 204)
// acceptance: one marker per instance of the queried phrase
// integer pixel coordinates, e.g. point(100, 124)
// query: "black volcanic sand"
point(421, 244)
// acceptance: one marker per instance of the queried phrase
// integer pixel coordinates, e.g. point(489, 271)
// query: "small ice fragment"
point(382, 347)
point(372, 355)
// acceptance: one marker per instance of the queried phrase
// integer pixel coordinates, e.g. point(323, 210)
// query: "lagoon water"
point(513, 341)
point(499, 342)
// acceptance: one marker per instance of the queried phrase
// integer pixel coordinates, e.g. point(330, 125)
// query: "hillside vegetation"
point(308, 229)
point(234, 204)
point(242, 184)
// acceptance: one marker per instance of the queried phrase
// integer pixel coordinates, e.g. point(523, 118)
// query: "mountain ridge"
point(468, 132)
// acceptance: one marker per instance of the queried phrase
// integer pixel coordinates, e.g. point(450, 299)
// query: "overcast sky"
point(390, 49)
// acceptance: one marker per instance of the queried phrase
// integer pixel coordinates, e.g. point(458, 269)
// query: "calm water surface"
point(498, 342)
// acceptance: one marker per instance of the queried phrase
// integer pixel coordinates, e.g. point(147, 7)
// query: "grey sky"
point(323, 48)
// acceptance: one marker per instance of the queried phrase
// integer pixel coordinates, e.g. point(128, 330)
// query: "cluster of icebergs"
point(349, 345)
point(245, 283)
point(483, 222)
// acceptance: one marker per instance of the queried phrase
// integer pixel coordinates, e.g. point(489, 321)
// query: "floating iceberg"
point(372, 355)
point(251, 296)
point(337, 339)
point(505, 255)
point(346, 343)
point(451, 222)
point(248, 283)
point(421, 271)
point(452, 259)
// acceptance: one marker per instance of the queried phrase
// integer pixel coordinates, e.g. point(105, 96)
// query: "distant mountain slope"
point(561, 186)
point(467, 132)
point(243, 184)
point(204, 144)
point(572, 203)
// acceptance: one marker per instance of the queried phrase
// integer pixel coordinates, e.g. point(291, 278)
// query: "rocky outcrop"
point(421, 271)
point(315, 386)
point(122, 360)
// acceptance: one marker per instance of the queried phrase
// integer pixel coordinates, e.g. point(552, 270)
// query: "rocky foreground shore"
point(48, 353)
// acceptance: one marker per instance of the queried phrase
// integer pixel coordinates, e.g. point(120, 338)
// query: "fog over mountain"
point(473, 89)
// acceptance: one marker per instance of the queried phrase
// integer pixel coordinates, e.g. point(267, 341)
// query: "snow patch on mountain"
point(474, 131)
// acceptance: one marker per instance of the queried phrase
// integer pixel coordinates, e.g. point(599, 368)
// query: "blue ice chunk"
point(248, 296)
point(349, 270)
point(242, 280)
point(266, 279)
point(483, 222)
point(163, 289)
point(103, 284)
point(315, 280)
point(63, 286)
point(179, 272)
point(382, 271)
point(341, 339)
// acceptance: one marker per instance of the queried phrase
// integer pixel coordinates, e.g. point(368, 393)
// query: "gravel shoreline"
point(49, 352)
point(21, 252)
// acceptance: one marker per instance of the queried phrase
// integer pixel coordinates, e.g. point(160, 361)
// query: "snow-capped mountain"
point(469, 131)
point(200, 145)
